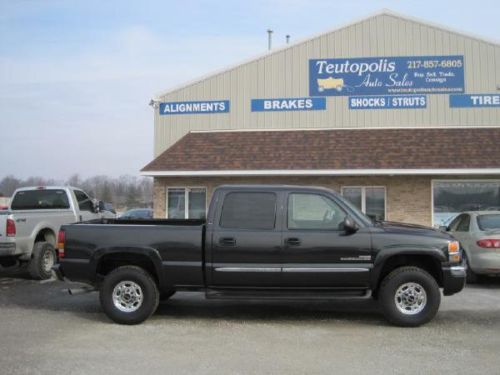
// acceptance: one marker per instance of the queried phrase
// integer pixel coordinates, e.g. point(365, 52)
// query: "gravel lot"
point(43, 330)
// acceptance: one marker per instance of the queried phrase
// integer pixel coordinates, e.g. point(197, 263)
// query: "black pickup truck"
point(275, 242)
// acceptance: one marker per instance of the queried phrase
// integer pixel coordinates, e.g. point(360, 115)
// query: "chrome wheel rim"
point(128, 296)
point(410, 298)
point(48, 261)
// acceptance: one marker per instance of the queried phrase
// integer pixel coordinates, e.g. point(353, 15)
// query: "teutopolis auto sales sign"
point(386, 75)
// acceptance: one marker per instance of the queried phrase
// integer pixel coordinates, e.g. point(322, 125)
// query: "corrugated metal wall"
point(285, 73)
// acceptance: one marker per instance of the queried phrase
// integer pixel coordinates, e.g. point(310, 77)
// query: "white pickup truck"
point(28, 229)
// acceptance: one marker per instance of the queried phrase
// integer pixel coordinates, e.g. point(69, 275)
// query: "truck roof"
point(272, 187)
point(27, 188)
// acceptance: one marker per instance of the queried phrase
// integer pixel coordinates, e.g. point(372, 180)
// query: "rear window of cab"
point(40, 200)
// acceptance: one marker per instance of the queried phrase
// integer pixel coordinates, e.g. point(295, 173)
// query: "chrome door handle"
point(293, 241)
point(227, 241)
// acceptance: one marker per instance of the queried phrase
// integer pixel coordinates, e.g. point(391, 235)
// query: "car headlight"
point(454, 255)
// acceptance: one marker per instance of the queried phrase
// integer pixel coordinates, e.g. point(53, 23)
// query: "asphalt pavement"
point(43, 330)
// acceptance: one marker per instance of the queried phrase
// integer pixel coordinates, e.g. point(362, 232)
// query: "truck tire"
point(129, 295)
point(43, 258)
point(409, 297)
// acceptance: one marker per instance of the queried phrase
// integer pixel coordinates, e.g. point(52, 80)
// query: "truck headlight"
point(454, 255)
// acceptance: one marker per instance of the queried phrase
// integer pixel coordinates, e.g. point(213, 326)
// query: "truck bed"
point(174, 246)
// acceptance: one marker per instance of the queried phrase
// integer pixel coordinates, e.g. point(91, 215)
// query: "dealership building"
point(399, 115)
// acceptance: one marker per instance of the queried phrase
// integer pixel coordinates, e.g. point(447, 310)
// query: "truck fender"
point(44, 226)
point(386, 253)
point(150, 253)
point(28, 243)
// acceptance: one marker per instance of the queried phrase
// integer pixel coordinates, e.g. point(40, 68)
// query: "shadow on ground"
point(18, 290)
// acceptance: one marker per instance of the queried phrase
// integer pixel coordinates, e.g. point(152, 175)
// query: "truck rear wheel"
point(129, 295)
point(42, 260)
point(409, 297)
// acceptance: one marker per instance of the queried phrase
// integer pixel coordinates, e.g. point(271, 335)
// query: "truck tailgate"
point(7, 244)
point(3, 224)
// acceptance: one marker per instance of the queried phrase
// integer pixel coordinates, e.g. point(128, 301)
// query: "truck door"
point(246, 241)
point(317, 252)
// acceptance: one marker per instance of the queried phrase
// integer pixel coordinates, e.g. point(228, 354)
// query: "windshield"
point(356, 212)
point(487, 222)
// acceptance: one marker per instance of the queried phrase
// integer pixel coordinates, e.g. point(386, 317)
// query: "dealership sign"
point(288, 104)
point(386, 75)
point(388, 102)
point(185, 108)
point(475, 100)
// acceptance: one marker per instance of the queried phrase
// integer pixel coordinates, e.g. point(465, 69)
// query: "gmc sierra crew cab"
point(274, 242)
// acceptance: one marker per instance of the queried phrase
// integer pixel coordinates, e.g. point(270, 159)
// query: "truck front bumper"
point(453, 279)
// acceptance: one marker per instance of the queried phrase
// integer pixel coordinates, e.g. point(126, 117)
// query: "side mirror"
point(350, 225)
point(444, 228)
point(97, 205)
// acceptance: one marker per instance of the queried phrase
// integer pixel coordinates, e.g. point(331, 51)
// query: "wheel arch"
point(46, 234)
point(428, 260)
point(106, 260)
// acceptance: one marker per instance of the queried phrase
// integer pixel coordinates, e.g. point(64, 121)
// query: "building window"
point(186, 203)
point(449, 198)
point(369, 199)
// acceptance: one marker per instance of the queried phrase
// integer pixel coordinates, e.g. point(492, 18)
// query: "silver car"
point(479, 234)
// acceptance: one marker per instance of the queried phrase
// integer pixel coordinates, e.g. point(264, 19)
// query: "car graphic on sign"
point(330, 83)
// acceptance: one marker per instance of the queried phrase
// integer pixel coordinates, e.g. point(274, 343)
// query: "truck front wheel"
point(129, 295)
point(42, 260)
point(409, 297)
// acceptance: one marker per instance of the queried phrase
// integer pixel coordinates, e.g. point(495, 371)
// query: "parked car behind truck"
point(479, 234)
point(264, 242)
point(28, 230)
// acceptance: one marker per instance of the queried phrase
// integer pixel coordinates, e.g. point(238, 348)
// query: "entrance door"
point(317, 252)
point(246, 242)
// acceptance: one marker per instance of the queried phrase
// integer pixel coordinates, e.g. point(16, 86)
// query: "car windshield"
point(487, 222)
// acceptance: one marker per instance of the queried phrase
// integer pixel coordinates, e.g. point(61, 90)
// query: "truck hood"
point(412, 229)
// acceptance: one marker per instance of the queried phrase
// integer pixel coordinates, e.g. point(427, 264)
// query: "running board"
point(281, 294)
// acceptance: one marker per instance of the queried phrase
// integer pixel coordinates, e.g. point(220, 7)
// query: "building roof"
point(382, 12)
point(332, 152)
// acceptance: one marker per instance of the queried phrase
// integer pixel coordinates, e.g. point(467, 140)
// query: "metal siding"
point(285, 74)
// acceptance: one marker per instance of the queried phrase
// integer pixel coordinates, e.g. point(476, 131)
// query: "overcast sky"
point(76, 76)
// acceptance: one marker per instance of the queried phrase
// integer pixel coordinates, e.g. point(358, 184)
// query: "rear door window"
point(40, 199)
point(249, 211)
